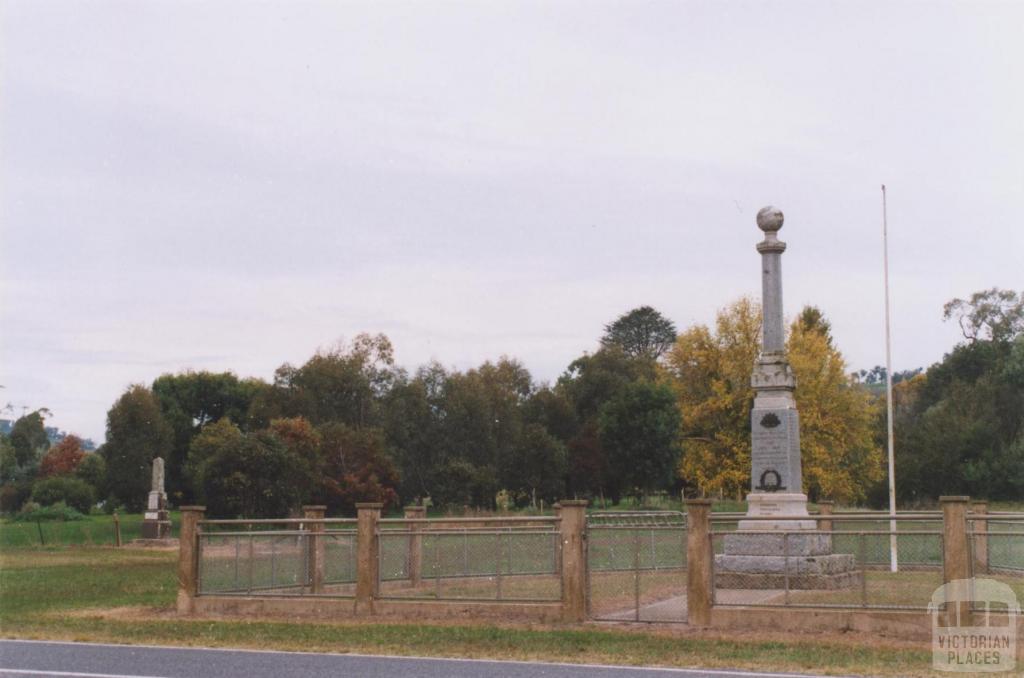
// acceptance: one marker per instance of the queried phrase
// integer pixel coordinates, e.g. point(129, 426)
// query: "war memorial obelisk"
point(776, 481)
point(788, 552)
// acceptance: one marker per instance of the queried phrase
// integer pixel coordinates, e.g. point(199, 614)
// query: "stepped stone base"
point(797, 582)
point(768, 560)
point(156, 529)
point(778, 544)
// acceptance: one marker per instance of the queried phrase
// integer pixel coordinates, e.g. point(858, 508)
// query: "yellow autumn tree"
point(710, 372)
point(839, 454)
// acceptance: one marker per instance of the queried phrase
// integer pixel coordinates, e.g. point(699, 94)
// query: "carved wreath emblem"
point(771, 481)
point(770, 420)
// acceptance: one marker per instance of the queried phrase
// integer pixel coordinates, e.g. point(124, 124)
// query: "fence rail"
point(623, 566)
point(514, 563)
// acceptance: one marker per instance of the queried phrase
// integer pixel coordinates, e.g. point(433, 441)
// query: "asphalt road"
point(86, 660)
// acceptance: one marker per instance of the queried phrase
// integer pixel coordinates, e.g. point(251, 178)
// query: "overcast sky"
point(231, 185)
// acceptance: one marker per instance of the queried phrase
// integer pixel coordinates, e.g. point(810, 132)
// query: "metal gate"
point(636, 566)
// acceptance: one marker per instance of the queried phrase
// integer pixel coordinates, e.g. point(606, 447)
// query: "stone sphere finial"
point(769, 219)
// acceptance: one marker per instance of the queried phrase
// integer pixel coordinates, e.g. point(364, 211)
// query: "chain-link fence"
point(340, 556)
point(621, 566)
point(273, 558)
point(997, 551)
point(922, 551)
point(509, 563)
point(837, 568)
point(636, 566)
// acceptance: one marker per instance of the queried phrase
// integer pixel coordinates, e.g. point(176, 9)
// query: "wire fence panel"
point(1006, 545)
point(394, 555)
point(512, 564)
point(826, 569)
point(340, 557)
point(253, 563)
point(997, 552)
point(920, 551)
point(636, 567)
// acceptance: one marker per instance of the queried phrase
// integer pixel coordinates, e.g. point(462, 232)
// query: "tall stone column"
point(782, 550)
point(776, 482)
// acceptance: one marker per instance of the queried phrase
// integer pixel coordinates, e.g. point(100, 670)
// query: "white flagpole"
point(893, 561)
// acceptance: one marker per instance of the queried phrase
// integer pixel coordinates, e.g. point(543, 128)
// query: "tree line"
point(649, 411)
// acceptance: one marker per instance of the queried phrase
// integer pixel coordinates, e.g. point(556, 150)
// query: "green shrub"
point(93, 470)
point(13, 495)
point(33, 512)
point(74, 492)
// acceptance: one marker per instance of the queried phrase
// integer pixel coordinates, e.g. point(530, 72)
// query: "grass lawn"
point(95, 530)
point(127, 596)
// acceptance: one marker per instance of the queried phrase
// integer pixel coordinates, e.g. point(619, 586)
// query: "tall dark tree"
point(965, 414)
point(343, 384)
point(640, 431)
point(536, 467)
point(220, 435)
point(191, 400)
point(413, 426)
point(481, 415)
point(8, 460)
point(136, 434)
point(642, 332)
point(254, 475)
point(592, 380)
point(589, 470)
point(588, 384)
point(29, 439)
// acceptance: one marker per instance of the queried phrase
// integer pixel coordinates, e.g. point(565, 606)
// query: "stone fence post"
point(368, 556)
point(699, 562)
point(979, 538)
point(572, 529)
point(188, 557)
point(414, 566)
point(825, 508)
point(956, 556)
point(315, 548)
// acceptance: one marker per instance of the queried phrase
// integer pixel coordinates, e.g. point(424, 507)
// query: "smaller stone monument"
point(156, 524)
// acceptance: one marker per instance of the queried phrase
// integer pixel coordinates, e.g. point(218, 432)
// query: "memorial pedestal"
point(763, 505)
point(156, 523)
point(779, 560)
